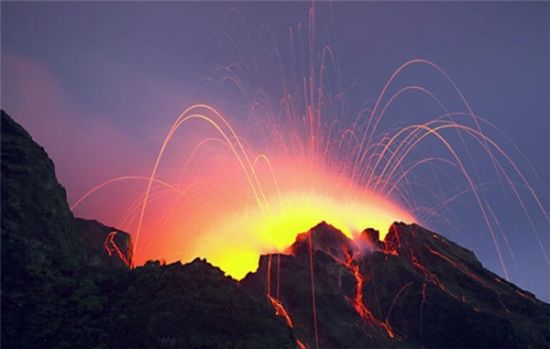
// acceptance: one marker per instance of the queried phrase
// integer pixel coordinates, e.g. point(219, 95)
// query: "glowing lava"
point(303, 152)
point(280, 310)
point(250, 232)
point(298, 149)
point(357, 300)
point(111, 247)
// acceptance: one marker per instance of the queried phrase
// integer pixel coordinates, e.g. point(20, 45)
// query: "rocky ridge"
point(66, 283)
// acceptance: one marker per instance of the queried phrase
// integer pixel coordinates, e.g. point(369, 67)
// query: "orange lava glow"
point(280, 310)
point(357, 300)
point(306, 150)
point(111, 247)
point(215, 193)
point(230, 203)
point(297, 150)
point(311, 197)
point(230, 215)
point(300, 344)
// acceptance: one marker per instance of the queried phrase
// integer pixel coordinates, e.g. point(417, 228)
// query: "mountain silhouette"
point(68, 282)
point(413, 289)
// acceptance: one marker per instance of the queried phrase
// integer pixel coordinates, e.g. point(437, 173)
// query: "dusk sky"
point(98, 85)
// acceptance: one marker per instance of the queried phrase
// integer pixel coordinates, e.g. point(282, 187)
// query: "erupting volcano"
point(283, 206)
point(230, 186)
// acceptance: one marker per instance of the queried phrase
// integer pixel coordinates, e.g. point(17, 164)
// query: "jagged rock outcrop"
point(105, 246)
point(192, 306)
point(414, 289)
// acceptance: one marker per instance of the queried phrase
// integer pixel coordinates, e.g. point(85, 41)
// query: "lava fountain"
point(300, 198)
point(245, 204)
point(229, 187)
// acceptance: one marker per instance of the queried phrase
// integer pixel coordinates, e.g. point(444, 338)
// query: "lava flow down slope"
point(67, 283)
point(413, 289)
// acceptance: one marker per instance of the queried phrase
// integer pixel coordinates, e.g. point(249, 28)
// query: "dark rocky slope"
point(417, 289)
point(65, 281)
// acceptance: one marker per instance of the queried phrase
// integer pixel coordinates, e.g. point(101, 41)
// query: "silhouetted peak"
point(413, 240)
point(324, 237)
point(370, 239)
point(10, 126)
point(417, 289)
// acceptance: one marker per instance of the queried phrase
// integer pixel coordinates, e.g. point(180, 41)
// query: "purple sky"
point(97, 84)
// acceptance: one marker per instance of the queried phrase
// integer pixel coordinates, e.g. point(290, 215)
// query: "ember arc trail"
point(306, 175)
point(230, 190)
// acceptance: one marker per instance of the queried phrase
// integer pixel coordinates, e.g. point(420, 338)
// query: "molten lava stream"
point(276, 303)
point(281, 311)
point(357, 300)
point(111, 247)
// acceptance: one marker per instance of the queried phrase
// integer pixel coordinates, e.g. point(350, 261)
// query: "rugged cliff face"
point(414, 289)
point(40, 244)
point(34, 205)
point(105, 246)
point(36, 219)
point(42, 247)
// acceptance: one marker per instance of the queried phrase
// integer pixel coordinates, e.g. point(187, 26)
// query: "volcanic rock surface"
point(66, 283)
point(105, 246)
point(36, 219)
point(416, 289)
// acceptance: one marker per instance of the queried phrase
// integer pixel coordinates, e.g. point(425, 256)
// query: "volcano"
point(68, 282)
point(414, 289)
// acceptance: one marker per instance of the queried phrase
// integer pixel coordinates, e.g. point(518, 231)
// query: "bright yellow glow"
point(237, 245)
point(222, 219)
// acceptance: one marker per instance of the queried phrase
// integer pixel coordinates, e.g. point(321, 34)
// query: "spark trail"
point(244, 183)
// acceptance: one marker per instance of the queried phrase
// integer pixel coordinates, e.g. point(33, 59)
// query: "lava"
point(428, 275)
point(233, 200)
point(232, 186)
point(281, 311)
point(357, 300)
point(300, 344)
point(111, 247)
point(250, 231)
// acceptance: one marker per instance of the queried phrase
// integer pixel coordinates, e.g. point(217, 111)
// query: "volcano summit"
point(66, 282)
point(414, 289)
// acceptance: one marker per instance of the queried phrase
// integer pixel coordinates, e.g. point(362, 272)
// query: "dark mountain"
point(191, 306)
point(414, 289)
point(66, 283)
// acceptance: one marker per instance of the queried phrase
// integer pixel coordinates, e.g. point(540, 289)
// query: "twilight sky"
point(98, 84)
